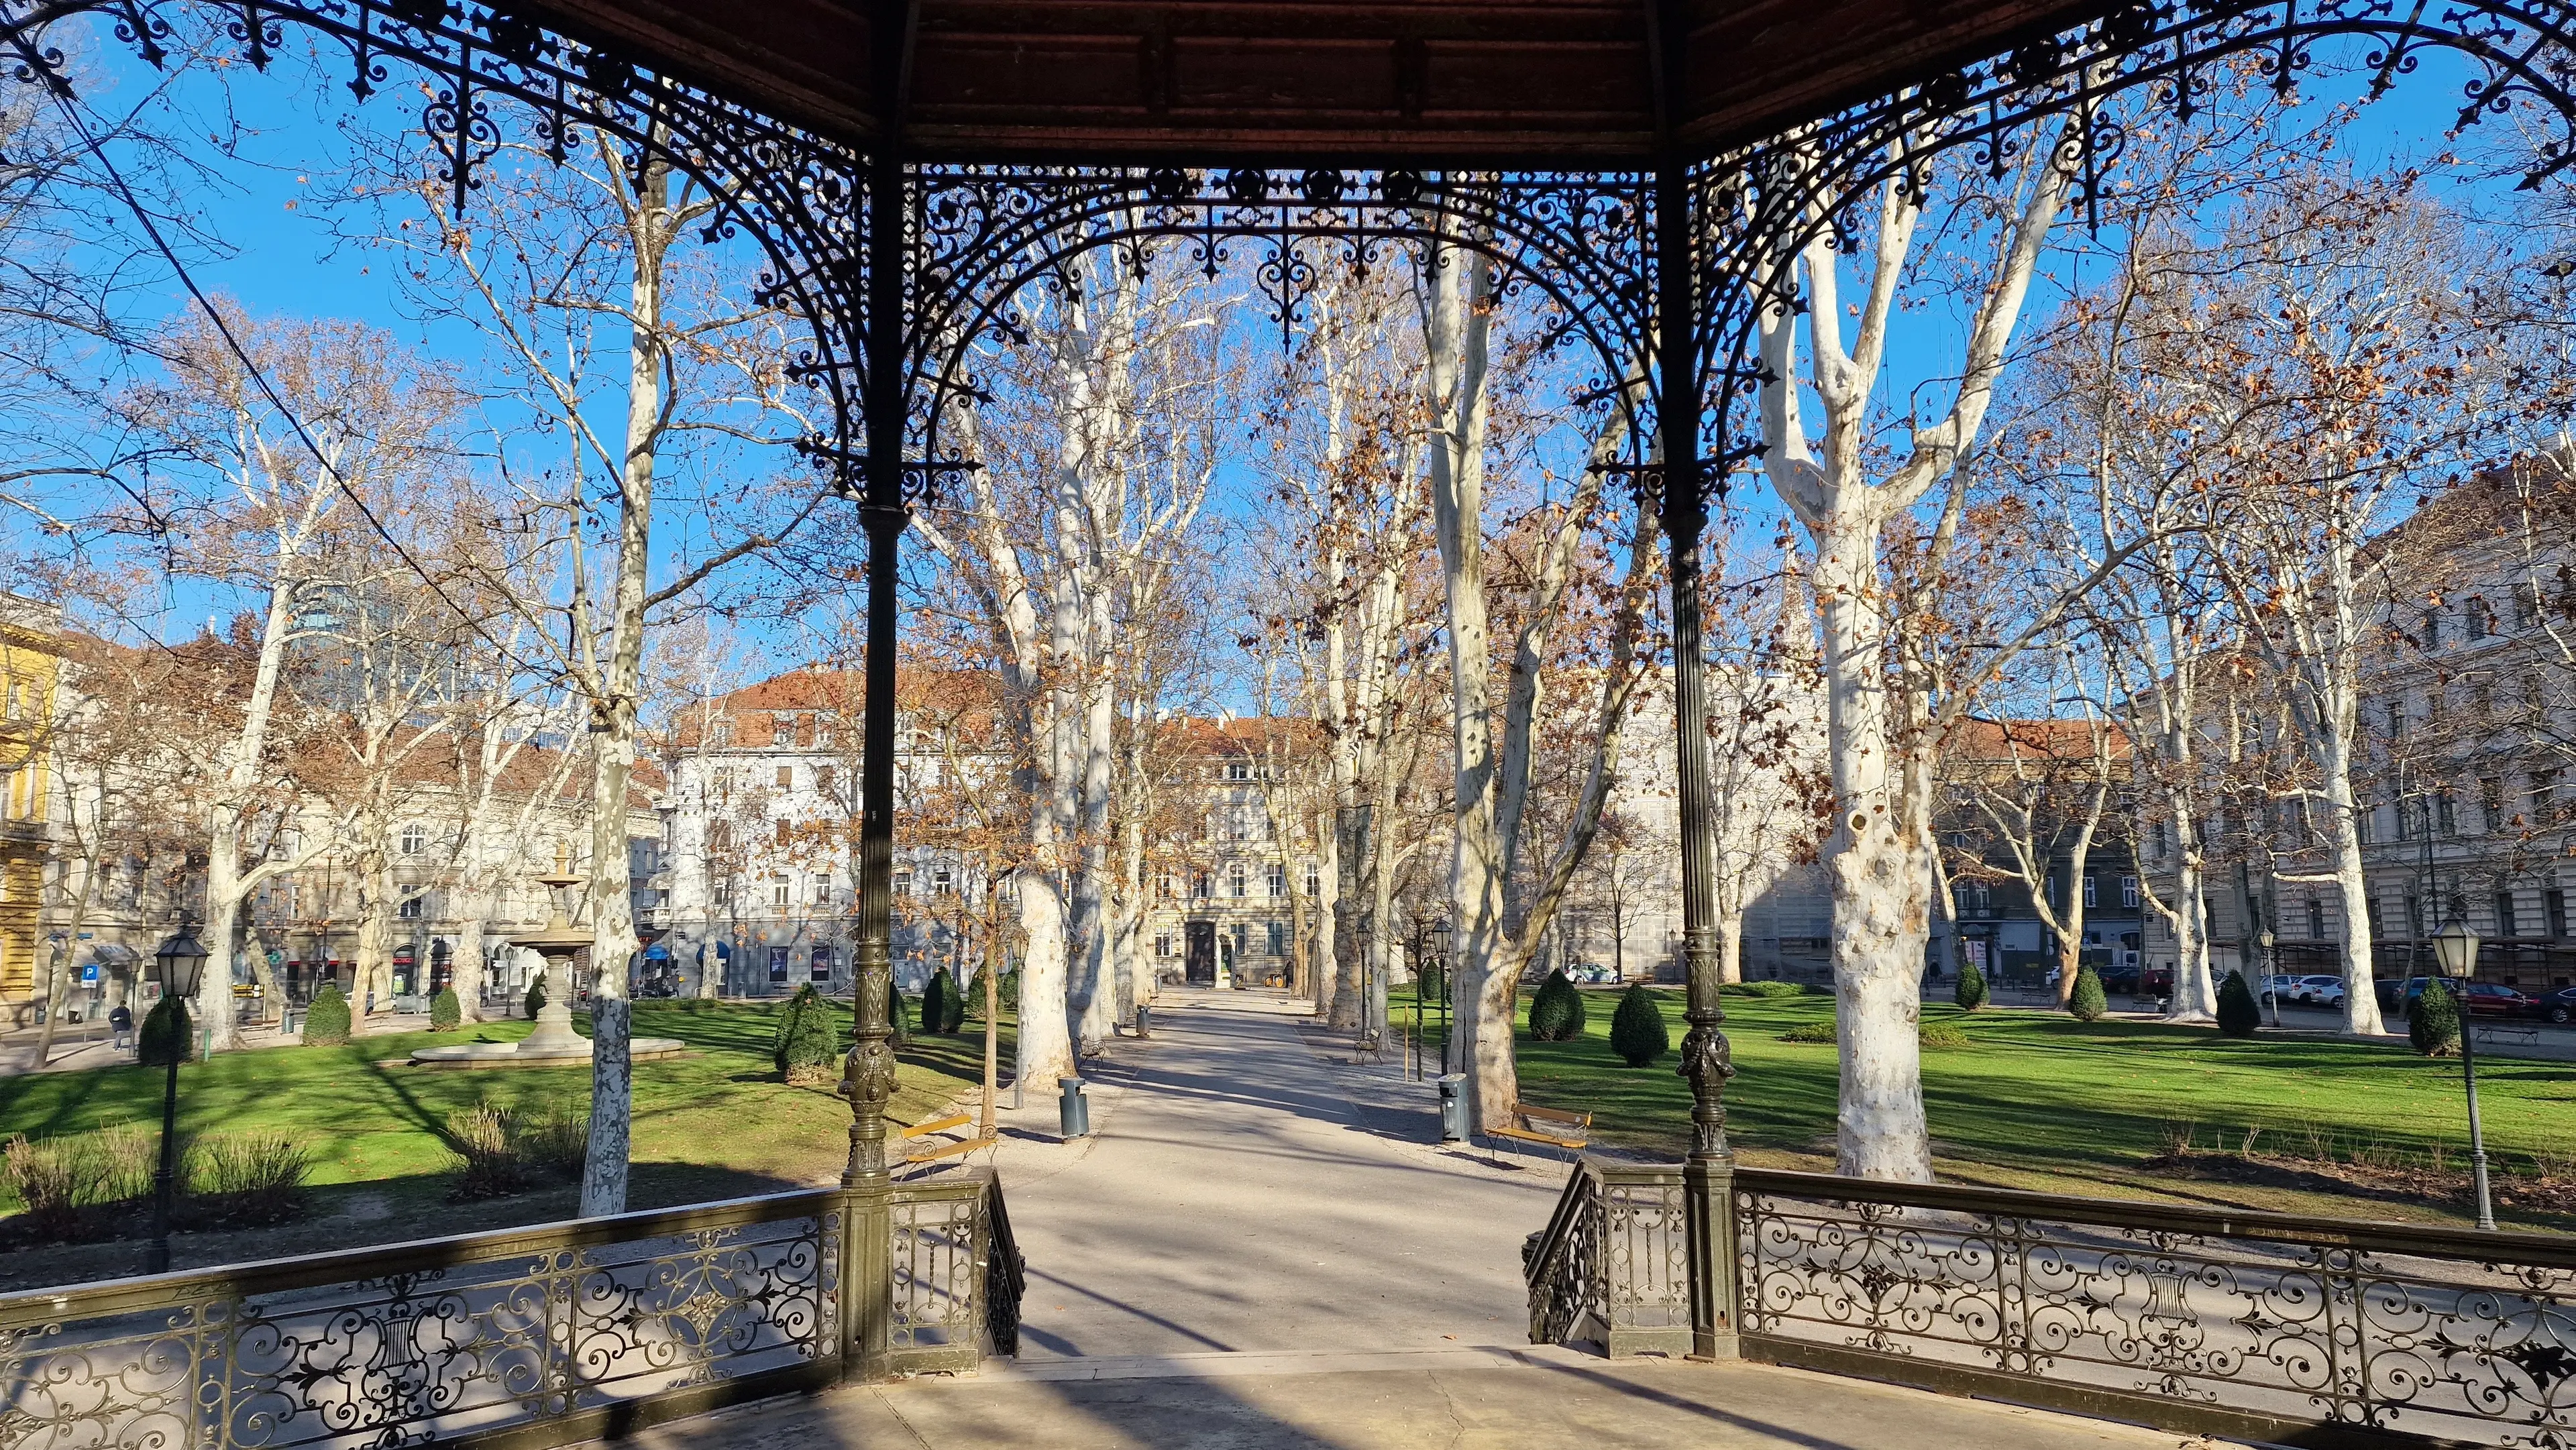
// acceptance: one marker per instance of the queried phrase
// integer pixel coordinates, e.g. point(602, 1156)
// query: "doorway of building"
point(1198, 968)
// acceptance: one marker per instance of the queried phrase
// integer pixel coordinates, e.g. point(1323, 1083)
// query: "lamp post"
point(180, 960)
point(2455, 955)
point(2263, 944)
point(1440, 934)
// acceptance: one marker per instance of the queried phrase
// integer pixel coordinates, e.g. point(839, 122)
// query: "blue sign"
point(89, 972)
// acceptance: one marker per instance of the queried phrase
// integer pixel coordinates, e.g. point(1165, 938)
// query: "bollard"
point(1453, 1107)
point(1073, 1110)
point(1143, 1021)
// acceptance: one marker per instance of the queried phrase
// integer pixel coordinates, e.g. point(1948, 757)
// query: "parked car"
point(2321, 990)
point(2559, 1006)
point(2483, 999)
point(2119, 979)
point(2494, 999)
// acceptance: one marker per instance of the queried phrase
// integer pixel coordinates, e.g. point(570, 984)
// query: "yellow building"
point(30, 668)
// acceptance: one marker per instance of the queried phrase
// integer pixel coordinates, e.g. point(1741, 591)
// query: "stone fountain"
point(554, 1043)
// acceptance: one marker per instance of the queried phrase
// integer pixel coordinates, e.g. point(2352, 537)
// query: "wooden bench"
point(941, 1125)
point(2525, 1033)
point(1540, 1121)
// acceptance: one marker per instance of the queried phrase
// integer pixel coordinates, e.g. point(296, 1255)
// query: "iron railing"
point(2262, 1326)
point(521, 1338)
point(1613, 1264)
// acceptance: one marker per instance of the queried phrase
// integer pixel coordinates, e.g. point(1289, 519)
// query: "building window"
point(2396, 719)
point(823, 779)
point(2129, 892)
point(2089, 899)
point(2316, 919)
point(778, 966)
point(1235, 879)
point(2526, 605)
point(1278, 881)
point(2364, 823)
point(2474, 615)
point(1314, 879)
point(723, 890)
point(819, 890)
point(818, 964)
point(411, 907)
point(822, 732)
point(2446, 816)
point(1163, 944)
point(2432, 629)
point(1238, 770)
point(415, 839)
point(2491, 802)
point(782, 831)
point(786, 777)
point(2553, 906)
point(903, 883)
point(2163, 840)
point(1279, 938)
point(2504, 913)
point(724, 781)
point(782, 731)
point(778, 889)
point(722, 734)
point(1199, 885)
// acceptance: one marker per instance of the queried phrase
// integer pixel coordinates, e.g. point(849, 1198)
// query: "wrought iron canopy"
point(1541, 83)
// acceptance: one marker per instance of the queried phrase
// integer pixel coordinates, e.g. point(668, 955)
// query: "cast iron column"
point(867, 1079)
point(1707, 1062)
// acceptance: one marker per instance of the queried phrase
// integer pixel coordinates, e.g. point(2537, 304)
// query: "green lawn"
point(712, 1122)
point(2044, 1101)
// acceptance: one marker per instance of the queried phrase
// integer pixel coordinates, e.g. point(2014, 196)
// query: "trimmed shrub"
point(807, 1048)
point(943, 1004)
point(1819, 1031)
point(1970, 994)
point(1556, 1013)
point(326, 1022)
point(2433, 1023)
point(164, 1039)
point(536, 999)
point(1637, 1031)
point(245, 1180)
point(1426, 982)
point(1942, 1037)
point(445, 1012)
point(2088, 1004)
point(2237, 1014)
point(1763, 989)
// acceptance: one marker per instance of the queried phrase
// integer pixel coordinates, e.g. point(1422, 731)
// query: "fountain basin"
point(548, 1054)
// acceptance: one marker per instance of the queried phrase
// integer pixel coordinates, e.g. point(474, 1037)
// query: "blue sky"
point(283, 258)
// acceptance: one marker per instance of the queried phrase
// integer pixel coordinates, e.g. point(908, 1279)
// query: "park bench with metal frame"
point(1538, 1118)
point(2526, 1033)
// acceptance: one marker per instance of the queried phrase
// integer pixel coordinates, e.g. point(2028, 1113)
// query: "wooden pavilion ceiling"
point(1538, 82)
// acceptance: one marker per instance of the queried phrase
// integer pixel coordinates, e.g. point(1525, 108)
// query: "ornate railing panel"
point(541, 1335)
point(2258, 1324)
point(1005, 1274)
point(1613, 1263)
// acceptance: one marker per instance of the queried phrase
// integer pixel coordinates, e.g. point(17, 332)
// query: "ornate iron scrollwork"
point(1759, 204)
point(798, 195)
point(1581, 244)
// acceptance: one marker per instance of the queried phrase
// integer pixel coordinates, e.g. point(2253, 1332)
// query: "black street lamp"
point(1440, 934)
point(181, 960)
point(2455, 955)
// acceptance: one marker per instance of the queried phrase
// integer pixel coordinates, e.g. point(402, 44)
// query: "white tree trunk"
point(1879, 859)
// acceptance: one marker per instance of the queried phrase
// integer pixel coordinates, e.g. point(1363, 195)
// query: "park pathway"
point(1243, 1192)
point(1263, 1247)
